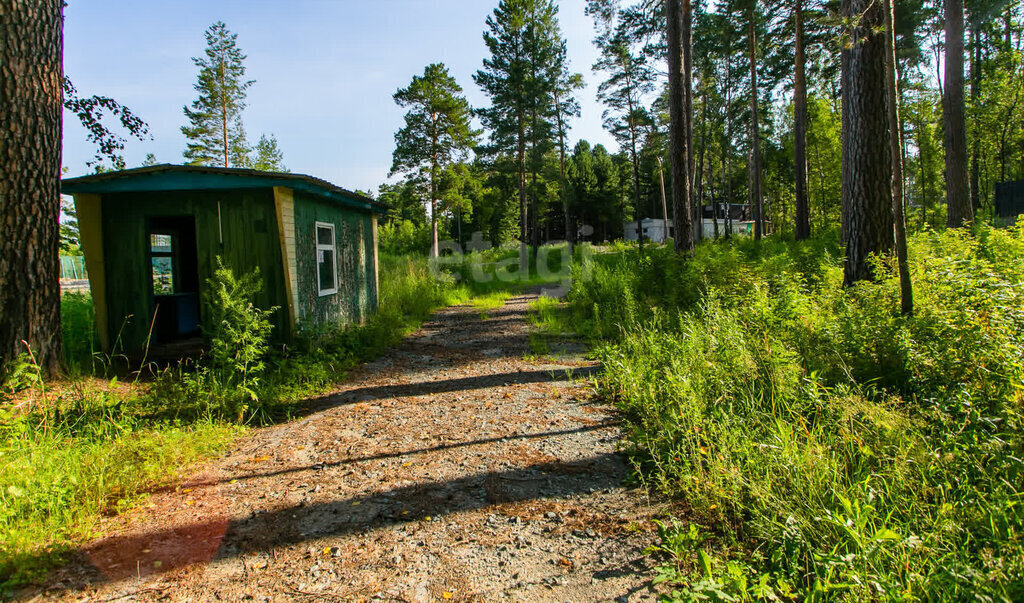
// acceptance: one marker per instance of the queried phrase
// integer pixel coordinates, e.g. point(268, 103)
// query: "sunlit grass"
point(825, 445)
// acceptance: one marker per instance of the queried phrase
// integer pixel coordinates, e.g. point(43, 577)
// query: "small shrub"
point(238, 334)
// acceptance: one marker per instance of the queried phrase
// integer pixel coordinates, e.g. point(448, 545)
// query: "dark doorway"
point(174, 269)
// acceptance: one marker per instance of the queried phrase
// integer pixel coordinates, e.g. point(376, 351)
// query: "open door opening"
point(174, 268)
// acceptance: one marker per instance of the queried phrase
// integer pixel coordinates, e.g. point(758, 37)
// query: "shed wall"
point(357, 288)
point(245, 237)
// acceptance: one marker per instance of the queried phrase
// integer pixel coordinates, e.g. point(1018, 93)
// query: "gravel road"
point(457, 467)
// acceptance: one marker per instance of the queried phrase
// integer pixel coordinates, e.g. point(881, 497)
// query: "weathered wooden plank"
point(89, 209)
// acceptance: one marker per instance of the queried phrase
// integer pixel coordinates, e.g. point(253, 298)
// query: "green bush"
point(237, 331)
point(836, 447)
point(401, 237)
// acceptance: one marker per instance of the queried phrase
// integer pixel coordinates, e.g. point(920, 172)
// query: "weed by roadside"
point(831, 447)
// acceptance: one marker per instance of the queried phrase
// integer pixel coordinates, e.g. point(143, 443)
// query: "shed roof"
point(168, 177)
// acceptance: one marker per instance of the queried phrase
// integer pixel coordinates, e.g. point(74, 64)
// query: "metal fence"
point(72, 267)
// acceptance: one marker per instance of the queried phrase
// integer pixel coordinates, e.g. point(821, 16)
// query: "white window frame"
point(332, 249)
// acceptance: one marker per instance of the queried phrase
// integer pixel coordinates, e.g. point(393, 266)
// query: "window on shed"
point(162, 252)
point(326, 270)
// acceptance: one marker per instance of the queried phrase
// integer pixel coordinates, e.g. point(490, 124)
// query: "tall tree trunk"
point(524, 259)
point(896, 154)
point(569, 231)
point(31, 102)
point(821, 186)
point(803, 212)
point(698, 217)
point(958, 193)
point(664, 201)
point(678, 15)
point(691, 169)
point(635, 160)
point(434, 247)
point(224, 110)
point(976, 134)
point(756, 193)
point(433, 226)
point(534, 213)
point(636, 189)
point(714, 204)
point(866, 166)
point(922, 164)
point(727, 143)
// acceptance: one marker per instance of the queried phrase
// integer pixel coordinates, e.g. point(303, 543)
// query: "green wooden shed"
point(151, 238)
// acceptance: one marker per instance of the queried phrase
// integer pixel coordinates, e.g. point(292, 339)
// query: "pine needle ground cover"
point(821, 444)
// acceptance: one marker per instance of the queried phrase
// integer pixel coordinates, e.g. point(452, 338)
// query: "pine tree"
point(958, 193)
point(546, 52)
point(216, 134)
point(756, 178)
point(680, 47)
point(437, 133)
point(566, 106)
point(867, 169)
point(521, 76)
point(505, 79)
point(267, 156)
point(31, 73)
point(803, 212)
point(630, 78)
point(896, 159)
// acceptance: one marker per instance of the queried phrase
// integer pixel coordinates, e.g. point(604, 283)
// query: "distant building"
point(151, 238)
point(733, 219)
point(657, 231)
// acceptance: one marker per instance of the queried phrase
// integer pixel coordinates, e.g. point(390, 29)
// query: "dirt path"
point(454, 468)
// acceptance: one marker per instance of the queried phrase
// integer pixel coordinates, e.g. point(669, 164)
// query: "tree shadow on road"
point(128, 556)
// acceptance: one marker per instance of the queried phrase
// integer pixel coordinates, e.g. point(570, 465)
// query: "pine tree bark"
point(958, 194)
point(679, 149)
point(434, 161)
point(687, 34)
point(896, 154)
point(569, 231)
point(976, 138)
point(727, 141)
point(31, 102)
point(534, 209)
point(635, 160)
point(698, 206)
point(664, 200)
point(866, 164)
point(224, 113)
point(756, 191)
point(803, 212)
point(524, 261)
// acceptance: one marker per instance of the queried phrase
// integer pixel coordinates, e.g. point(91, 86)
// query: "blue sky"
point(325, 72)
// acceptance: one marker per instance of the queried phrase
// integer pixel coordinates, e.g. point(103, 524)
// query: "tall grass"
point(827, 446)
